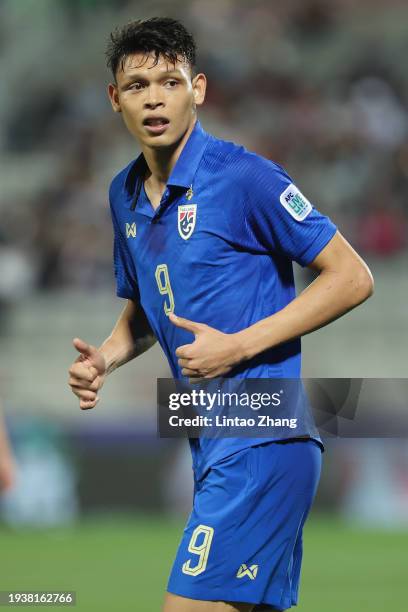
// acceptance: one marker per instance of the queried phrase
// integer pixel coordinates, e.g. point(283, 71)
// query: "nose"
point(154, 98)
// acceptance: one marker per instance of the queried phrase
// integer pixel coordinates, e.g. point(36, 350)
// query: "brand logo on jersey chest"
point(186, 220)
point(131, 230)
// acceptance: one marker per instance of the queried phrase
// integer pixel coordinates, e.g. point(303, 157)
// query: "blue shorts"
point(243, 539)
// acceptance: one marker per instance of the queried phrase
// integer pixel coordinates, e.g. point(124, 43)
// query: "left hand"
point(212, 353)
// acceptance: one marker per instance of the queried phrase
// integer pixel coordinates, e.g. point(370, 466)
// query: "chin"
point(164, 140)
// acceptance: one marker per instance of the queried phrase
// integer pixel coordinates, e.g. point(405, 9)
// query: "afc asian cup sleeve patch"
point(295, 203)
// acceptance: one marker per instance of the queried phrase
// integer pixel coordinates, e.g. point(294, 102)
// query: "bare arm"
point(344, 281)
point(130, 337)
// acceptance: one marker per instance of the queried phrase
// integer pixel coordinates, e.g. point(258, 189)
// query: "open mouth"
point(153, 121)
point(156, 125)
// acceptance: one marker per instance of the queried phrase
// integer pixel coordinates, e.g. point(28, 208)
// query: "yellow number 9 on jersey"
point(163, 283)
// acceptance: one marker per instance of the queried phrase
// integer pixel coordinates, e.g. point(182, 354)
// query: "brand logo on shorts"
point(130, 230)
point(187, 215)
point(295, 203)
point(250, 571)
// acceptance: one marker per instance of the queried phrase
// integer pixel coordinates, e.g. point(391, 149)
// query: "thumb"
point(186, 324)
point(87, 350)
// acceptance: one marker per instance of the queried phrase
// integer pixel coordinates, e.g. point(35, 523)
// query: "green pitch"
point(122, 564)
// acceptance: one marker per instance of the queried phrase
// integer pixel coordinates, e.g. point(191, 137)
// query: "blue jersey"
point(218, 250)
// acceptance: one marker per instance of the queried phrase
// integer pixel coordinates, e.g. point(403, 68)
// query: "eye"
point(171, 83)
point(137, 85)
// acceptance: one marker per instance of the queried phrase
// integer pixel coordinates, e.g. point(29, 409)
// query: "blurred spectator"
point(383, 232)
point(45, 489)
point(7, 466)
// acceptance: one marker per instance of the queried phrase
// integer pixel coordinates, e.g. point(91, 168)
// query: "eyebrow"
point(137, 76)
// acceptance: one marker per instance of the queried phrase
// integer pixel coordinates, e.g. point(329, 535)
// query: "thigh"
point(176, 603)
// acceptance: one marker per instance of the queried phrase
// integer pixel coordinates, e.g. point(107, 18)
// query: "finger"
point(194, 364)
point(83, 347)
point(84, 394)
point(185, 351)
point(216, 373)
point(94, 372)
point(190, 372)
point(194, 373)
point(76, 383)
point(186, 324)
point(184, 363)
point(191, 364)
point(87, 405)
point(83, 372)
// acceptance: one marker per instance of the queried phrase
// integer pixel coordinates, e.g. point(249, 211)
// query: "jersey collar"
point(182, 174)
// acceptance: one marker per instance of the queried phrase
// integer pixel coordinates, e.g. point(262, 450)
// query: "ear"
point(199, 83)
point(114, 97)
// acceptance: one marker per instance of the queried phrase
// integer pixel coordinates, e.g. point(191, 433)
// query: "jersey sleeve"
point(125, 273)
point(279, 218)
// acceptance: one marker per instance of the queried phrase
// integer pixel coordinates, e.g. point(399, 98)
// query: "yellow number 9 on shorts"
point(202, 550)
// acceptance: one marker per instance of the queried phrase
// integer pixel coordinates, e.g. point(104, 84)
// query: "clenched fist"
point(87, 374)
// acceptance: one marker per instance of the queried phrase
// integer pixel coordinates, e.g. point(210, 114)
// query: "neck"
point(162, 161)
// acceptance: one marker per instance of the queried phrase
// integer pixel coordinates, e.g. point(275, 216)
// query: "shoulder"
point(117, 184)
point(257, 174)
point(245, 168)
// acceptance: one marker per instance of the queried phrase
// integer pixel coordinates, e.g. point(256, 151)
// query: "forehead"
point(146, 65)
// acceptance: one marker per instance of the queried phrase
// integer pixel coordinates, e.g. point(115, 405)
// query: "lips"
point(156, 125)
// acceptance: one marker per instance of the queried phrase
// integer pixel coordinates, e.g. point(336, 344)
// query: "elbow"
point(363, 284)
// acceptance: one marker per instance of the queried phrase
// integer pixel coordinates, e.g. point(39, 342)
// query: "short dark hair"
point(162, 36)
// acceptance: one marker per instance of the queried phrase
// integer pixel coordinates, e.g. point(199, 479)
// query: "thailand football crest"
point(187, 215)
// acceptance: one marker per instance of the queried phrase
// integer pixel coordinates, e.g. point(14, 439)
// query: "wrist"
point(252, 341)
point(242, 348)
point(108, 352)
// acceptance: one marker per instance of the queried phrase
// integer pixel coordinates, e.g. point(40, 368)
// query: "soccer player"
point(205, 233)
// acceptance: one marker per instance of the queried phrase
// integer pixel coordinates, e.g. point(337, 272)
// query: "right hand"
point(87, 374)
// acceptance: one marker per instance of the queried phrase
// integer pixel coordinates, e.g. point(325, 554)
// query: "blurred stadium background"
point(100, 501)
